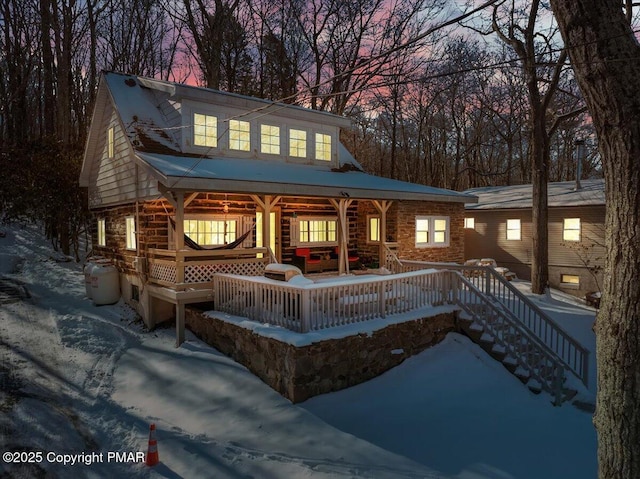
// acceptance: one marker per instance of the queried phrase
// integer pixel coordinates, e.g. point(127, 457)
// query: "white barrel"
point(91, 262)
point(105, 284)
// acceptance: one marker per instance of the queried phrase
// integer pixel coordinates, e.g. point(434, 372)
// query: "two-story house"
point(185, 182)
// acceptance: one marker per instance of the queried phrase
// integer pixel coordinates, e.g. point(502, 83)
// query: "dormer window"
point(323, 147)
point(298, 143)
point(270, 139)
point(239, 135)
point(205, 130)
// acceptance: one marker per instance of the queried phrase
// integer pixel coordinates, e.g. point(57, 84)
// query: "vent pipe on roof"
point(579, 157)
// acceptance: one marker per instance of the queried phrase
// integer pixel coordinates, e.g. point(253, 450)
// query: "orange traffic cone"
point(152, 452)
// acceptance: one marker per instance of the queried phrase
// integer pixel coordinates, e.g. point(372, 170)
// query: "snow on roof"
point(125, 84)
point(277, 177)
point(520, 196)
point(137, 101)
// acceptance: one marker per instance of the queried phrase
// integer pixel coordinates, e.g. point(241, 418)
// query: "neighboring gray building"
point(499, 227)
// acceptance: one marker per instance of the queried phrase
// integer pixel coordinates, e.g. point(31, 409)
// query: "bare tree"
point(348, 47)
point(604, 54)
point(542, 65)
point(207, 22)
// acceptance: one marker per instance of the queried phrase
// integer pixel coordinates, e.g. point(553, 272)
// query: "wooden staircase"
point(513, 330)
point(525, 373)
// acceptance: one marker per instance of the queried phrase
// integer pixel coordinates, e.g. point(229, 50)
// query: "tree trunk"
point(604, 53)
point(539, 212)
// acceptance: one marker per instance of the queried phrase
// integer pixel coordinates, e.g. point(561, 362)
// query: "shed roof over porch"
point(237, 175)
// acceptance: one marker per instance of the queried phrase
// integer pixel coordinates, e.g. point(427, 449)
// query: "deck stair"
point(514, 331)
point(518, 351)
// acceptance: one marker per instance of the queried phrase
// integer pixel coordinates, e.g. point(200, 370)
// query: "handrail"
point(187, 254)
point(390, 256)
point(193, 269)
point(573, 355)
point(324, 305)
point(541, 363)
point(271, 255)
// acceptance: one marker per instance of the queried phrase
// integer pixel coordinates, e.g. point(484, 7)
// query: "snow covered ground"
point(80, 381)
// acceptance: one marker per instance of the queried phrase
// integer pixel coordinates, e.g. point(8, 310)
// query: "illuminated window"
point(323, 147)
point(205, 130)
point(207, 232)
point(298, 143)
point(571, 229)
point(470, 223)
point(102, 232)
point(513, 229)
point(239, 135)
point(130, 232)
point(432, 231)
point(270, 139)
point(373, 225)
point(570, 279)
point(110, 143)
point(318, 230)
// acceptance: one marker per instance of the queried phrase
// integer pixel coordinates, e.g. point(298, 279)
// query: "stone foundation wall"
point(299, 373)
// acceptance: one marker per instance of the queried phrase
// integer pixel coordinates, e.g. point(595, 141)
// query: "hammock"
point(193, 245)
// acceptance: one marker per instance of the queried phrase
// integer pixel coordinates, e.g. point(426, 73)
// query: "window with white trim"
point(470, 223)
point(314, 231)
point(102, 232)
point(323, 147)
point(298, 143)
point(569, 280)
point(205, 130)
point(110, 143)
point(373, 229)
point(571, 229)
point(239, 135)
point(270, 139)
point(513, 230)
point(130, 232)
point(432, 231)
point(211, 231)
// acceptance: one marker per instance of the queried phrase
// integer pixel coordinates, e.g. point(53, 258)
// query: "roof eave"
point(253, 187)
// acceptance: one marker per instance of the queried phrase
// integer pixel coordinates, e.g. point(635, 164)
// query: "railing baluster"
point(486, 279)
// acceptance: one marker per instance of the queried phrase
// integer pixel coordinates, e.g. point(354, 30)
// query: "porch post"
point(179, 220)
point(179, 265)
point(343, 233)
point(266, 205)
point(382, 206)
point(180, 319)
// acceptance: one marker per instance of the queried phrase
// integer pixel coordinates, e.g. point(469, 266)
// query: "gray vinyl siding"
point(113, 180)
point(488, 240)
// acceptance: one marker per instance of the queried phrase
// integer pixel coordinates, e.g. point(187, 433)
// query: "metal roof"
point(278, 177)
point(520, 196)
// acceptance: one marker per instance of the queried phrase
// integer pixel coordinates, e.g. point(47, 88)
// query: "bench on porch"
point(308, 262)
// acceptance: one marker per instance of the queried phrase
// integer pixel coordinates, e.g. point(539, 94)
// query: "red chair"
point(307, 262)
point(354, 259)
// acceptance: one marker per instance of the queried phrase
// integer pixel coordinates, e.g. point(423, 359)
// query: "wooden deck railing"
point(324, 305)
point(518, 307)
point(195, 269)
point(518, 342)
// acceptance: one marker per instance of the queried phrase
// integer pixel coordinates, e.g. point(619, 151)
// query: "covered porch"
point(277, 208)
point(179, 275)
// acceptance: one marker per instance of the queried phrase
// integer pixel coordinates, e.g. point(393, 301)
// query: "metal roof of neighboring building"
point(520, 196)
